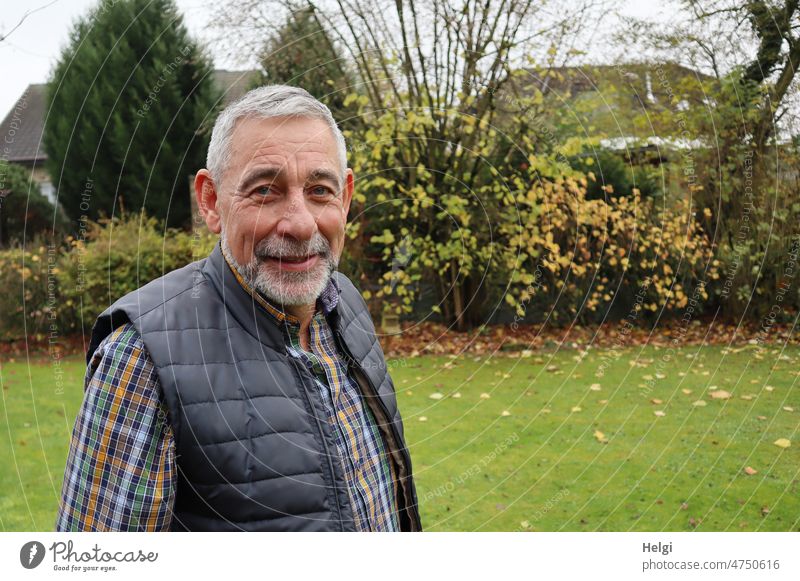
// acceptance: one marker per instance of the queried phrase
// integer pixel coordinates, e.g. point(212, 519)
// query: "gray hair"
point(263, 103)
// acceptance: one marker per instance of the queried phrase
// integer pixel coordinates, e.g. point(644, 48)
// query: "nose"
point(296, 220)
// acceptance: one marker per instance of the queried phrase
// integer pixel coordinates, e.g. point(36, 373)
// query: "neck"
point(304, 313)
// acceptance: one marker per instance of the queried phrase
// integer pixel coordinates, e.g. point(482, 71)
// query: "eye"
point(320, 191)
point(264, 190)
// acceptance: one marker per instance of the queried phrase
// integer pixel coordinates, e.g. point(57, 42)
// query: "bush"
point(28, 290)
point(61, 289)
point(580, 256)
point(25, 213)
point(118, 257)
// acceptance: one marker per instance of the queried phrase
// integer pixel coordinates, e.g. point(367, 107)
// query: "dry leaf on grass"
point(782, 443)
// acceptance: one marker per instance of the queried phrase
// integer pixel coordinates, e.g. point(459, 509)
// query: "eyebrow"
point(322, 174)
point(258, 174)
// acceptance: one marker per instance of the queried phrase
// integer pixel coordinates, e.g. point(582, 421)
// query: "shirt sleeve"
point(120, 473)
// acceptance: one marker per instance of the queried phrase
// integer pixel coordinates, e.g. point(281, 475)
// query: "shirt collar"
point(326, 302)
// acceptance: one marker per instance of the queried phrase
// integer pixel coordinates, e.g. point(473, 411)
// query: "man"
point(247, 391)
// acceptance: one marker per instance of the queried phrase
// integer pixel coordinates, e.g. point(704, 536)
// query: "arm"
point(121, 472)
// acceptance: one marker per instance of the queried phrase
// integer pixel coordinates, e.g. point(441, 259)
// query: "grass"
point(541, 465)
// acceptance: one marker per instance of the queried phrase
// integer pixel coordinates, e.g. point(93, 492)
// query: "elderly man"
point(247, 391)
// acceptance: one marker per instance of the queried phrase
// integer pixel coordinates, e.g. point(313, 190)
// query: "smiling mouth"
point(294, 262)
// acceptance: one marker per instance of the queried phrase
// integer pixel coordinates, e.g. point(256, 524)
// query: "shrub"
point(117, 257)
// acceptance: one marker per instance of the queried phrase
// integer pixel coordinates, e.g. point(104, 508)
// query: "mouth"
point(294, 263)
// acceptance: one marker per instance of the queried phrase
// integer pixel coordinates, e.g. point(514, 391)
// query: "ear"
point(207, 200)
point(347, 193)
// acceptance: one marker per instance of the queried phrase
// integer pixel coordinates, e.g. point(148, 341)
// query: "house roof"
point(21, 130)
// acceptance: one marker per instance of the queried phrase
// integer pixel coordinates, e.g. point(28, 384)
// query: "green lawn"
point(544, 451)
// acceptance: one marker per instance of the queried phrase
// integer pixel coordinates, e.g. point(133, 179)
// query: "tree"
point(24, 212)
point(130, 101)
point(302, 54)
point(439, 183)
point(742, 164)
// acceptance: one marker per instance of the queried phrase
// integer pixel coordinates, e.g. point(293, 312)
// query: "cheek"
point(331, 226)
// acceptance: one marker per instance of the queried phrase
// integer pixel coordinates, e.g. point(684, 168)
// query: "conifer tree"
point(130, 105)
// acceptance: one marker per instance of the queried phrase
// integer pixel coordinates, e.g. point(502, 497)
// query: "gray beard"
point(286, 287)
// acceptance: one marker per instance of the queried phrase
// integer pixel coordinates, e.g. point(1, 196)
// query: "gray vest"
point(253, 449)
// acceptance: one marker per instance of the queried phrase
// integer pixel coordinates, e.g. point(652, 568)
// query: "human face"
point(281, 206)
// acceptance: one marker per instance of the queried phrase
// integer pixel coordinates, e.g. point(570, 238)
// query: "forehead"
point(282, 140)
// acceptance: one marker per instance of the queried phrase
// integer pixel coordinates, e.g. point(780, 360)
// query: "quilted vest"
point(253, 450)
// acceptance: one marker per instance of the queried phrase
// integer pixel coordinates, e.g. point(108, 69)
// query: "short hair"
point(264, 103)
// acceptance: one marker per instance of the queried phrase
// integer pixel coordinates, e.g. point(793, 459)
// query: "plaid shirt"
point(121, 472)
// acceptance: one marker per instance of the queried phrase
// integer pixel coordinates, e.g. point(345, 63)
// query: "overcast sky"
point(30, 51)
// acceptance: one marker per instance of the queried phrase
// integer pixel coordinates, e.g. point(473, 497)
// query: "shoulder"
point(162, 290)
point(122, 360)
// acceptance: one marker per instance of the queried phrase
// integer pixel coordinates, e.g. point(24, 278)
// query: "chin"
point(293, 288)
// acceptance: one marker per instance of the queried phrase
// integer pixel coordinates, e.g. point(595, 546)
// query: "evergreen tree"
point(302, 54)
point(130, 105)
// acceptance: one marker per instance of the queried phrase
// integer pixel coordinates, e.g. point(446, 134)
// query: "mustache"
point(278, 247)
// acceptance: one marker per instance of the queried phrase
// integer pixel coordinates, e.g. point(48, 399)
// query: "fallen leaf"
point(525, 524)
point(762, 418)
point(551, 368)
point(505, 413)
point(782, 443)
point(700, 403)
point(576, 408)
point(526, 353)
point(456, 395)
point(686, 391)
point(436, 395)
point(423, 419)
point(764, 510)
point(545, 410)
point(600, 437)
point(769, 388)
point(656, 401)
point(659, 413)
point(750, 471)
point(720, 394)
point(787, 408)
point(595, 387)
point(660, 376)
point(684, 506)
point(485, 396)
point(746, 397)
point(603, 402)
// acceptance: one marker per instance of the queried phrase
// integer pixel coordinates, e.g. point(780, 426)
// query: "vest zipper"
point(390, 421)
point(297, 365)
